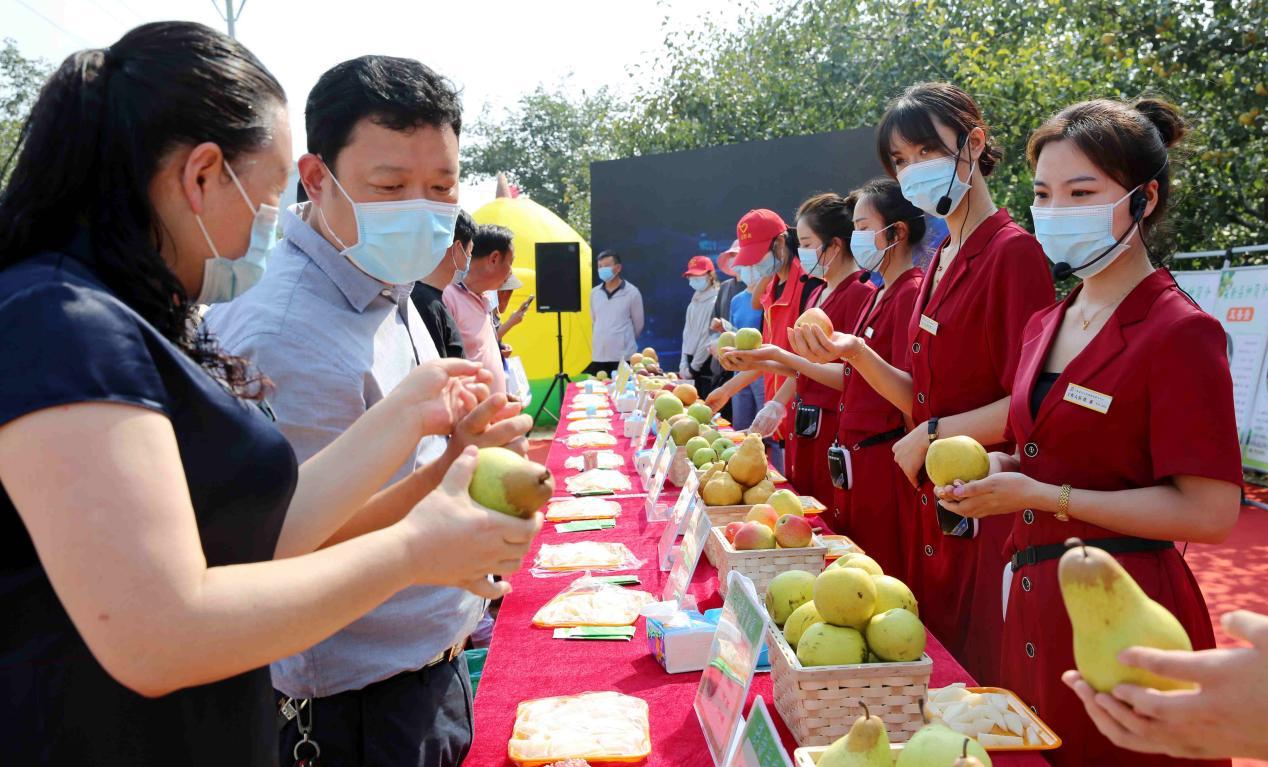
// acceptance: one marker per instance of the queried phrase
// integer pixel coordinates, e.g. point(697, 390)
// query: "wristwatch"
point(933, 428)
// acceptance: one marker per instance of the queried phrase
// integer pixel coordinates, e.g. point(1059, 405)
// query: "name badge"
point(1092, 400)
point(867, 333)
point(929, 325)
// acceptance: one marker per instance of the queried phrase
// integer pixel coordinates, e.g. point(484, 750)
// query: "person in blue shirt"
point(747, 401)
point(144, 492)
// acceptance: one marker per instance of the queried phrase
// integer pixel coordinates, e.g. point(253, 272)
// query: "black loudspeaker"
point(558, 277)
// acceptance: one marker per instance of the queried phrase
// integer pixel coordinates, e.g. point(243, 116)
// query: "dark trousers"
point(416, 719)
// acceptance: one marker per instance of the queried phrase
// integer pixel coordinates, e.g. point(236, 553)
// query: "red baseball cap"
point(698, 266)
point(726, 261)
point(755, 232)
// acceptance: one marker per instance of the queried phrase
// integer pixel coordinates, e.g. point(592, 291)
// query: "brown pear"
point(507, 482)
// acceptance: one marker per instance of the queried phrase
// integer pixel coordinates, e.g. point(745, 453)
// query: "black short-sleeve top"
point(66, 338)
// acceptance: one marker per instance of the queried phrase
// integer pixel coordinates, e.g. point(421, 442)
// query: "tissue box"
point(686, 648)
point(681, 648)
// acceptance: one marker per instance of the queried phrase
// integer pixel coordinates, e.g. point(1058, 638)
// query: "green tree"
point(821, 65)
point(545, 145)
point(20, 82)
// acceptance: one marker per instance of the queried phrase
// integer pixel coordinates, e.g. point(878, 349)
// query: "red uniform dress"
point(878, 512)
point(808, 468)
point(1159, 371)
point(779, 312)
point(965, 340)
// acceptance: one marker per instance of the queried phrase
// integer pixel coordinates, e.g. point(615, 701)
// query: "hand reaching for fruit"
point(440, 392)
point(1224, 718)
point(810, 342)
point(453, 541)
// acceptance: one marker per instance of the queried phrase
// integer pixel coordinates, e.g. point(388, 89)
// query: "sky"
point(494, 50)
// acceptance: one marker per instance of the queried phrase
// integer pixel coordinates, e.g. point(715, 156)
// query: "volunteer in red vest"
point(768, 253)
point(964, 335)
point(824, 225)
point(1122, 410)
point(872, 500)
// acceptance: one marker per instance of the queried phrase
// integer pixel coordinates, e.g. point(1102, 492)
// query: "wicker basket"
point(819, 704)
point(762, 565)
point(809, 757)
point(721, 516)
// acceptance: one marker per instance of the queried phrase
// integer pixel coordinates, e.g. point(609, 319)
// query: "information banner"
point(760, 745)
point(687, 500)
point(1242, 308)
point(725, 681)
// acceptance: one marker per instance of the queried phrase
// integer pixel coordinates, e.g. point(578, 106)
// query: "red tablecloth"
point(526, 663)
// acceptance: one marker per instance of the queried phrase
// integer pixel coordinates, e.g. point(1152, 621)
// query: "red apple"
point(754, 535)
point(793, 532)
point(731, 530)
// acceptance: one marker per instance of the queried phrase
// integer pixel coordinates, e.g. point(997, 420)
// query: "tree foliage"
point(20, 82)
point(821, 65)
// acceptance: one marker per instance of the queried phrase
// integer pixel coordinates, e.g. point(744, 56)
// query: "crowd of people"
point(243, 536)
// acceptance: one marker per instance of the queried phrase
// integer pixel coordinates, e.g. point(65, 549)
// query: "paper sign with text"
point(725, 681)
point(759, 744)
point(687, 500)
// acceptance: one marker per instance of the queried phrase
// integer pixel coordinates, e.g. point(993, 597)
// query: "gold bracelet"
point(1063, 504)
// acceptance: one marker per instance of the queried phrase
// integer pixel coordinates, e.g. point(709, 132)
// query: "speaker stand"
point(561, 378)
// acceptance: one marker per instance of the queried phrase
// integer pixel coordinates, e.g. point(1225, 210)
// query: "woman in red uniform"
point(877, 510)
point(824, 226)
point(1122, 408)
point(964, 336)
point(768, 257)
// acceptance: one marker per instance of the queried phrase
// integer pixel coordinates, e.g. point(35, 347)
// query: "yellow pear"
point(787, 592)
point(1109, 613)
point(845, 596)
point(721, 490)
point(801, 619)
point(865, 745)
point(759, 493)
point(953, 458)
point(826, 645)
point(748, 465)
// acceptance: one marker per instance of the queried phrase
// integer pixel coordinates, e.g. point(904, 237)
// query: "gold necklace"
point(1088, 320)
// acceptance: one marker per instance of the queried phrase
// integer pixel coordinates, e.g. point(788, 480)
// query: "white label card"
point(687, 500)
point(759, 744)
point(724, 684)
point(655, 510)
point(688, 558)
point(929, 325)
point(1092, 400)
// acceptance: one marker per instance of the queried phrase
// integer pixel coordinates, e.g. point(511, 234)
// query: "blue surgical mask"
point(863, 246)
point(606, 273)
point(743, 274)
point(764, 268)
point(224, 279)
point(698, 283)
point(398, 242)
point(924, 184)
point(1079, 234)
point(809, 258)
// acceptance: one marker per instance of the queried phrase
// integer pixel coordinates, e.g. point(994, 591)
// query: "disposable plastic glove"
point(769, 418)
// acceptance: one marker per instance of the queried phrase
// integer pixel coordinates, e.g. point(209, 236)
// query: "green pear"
point(801, 619)
point(937, 745)
point(845, 596)
point(721, 445)
point(684, 430)
point(667, 407)
point(865, 745)
point(1109, 613)
point(507, 482)
point(787, 592)
point(730, 451)
point(860, 561)
point(823, 644)
point(726, 339)
point(892, 593)
point(703, 456)
point(694, 444)
point(713, 435)
point(748, 338)
point(896, 636)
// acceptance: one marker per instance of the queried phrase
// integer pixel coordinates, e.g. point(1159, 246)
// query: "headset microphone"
point(944, 203)
point(1136, 205)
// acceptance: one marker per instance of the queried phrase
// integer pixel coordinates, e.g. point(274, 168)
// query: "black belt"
point(1033, 555)
point(877, 439)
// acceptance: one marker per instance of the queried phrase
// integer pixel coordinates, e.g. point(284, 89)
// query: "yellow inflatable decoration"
point(534, 339)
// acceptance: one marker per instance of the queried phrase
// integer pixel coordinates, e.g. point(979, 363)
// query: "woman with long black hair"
point(144, 488)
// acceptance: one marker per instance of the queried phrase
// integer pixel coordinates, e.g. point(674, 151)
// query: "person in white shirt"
point(616, 307)
point(694, 363)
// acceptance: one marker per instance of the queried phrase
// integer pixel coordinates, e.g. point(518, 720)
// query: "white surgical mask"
point(764, 268)
point(809, 258)
point(398, 242)
point(1081, 236)
point(224, 279)
point(924, 184)
point(698, 283)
